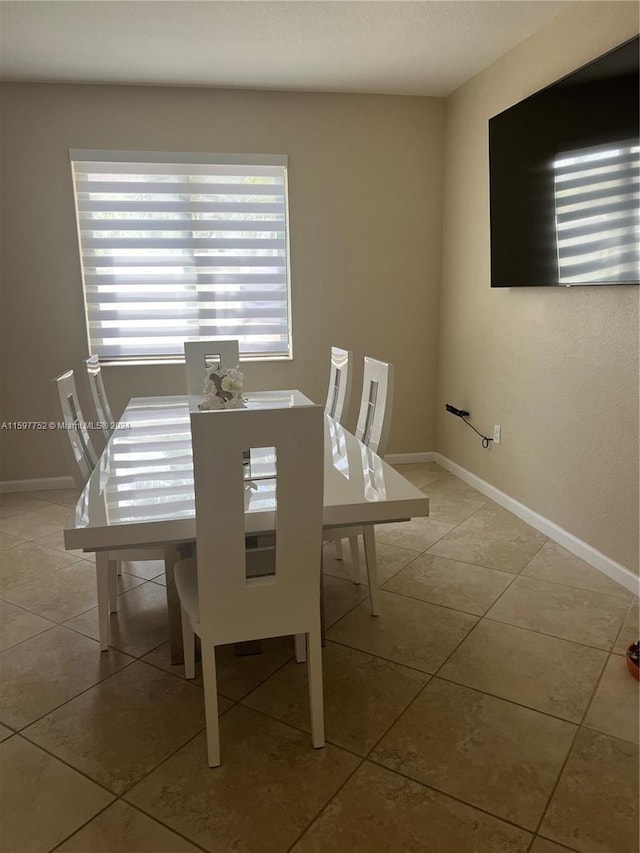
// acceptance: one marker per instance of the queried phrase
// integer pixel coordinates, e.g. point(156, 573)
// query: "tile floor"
point(487, 708)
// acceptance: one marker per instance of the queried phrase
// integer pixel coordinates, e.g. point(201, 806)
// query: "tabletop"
point(141, 491)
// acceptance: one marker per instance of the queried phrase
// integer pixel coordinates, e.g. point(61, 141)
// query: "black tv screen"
point(564, 180)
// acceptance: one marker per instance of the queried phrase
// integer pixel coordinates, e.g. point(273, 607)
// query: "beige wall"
point(557, 368)
point(365, 176)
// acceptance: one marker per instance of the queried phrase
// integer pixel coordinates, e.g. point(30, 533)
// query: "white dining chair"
point(77, 445)
point(82, 458)
point(339, 393)
point(338, 402)
point(198, 354)
point(99, 396)
point(376, 404)
point(374, 423)
point(230, 593)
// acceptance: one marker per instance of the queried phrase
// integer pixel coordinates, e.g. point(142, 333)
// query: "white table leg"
point(300, 643)
point(316, 703)
point(372, 566)
point(355, 559)
point(171, 556)
point(113, 586)
point(102, 581)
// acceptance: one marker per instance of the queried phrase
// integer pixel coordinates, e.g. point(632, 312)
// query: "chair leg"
point(338, 544)
point(323, 627)
point(102, 583)
point(188, 645)
point(113, 586)
point(211, 702)
point(372, 566)
point(300, 641)
point(316, 701)
point(355, 559)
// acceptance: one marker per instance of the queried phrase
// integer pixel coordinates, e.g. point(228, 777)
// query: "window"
point(177, 246)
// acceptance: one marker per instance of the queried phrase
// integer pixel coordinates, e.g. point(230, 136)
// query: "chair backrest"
point(197, 354)
point(99, 395)
point(285, 596)
point(339, 394)
point(76, 442)
point(374, 419)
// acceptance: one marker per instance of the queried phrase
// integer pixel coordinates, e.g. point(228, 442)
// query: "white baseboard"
point(407, 458)
point(617, 572)
point(42, 484)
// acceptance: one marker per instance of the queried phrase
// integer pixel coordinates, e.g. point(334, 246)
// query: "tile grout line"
point(135, 808)
point(76, 695)
point(424, 686)
point(436, 673)
point(121, 796)
point(297, 728)
point(326, 805)
point(623, 594)
point(22, 729)
point(55, 622)
point(81, 827)
point(510, 701)
point(434, 603)
point(576, 727)
point(546, 634)
point(450, 796)
point(510, 584)
point(429, 678)
point(554, 787)
point(37, 633)
point(400, 569)
point(473, 628)
point(581, 726)
point(544, 838)
point(66, 764)
point(621, 597)
point(57, 571)
point(450, 680)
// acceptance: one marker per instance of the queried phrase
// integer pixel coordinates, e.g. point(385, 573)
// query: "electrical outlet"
point(497, 430)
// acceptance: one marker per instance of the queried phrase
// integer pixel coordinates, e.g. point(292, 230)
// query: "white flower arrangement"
point(223, 388)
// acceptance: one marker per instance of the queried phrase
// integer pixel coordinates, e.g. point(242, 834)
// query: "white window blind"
point(177, 246)
point(597, 216)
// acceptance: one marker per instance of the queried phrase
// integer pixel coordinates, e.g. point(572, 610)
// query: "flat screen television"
point(564, 180)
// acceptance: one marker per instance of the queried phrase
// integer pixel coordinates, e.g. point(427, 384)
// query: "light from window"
point(596, 194)
point(183, 246)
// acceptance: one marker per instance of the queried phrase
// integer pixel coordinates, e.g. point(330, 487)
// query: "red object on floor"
point(632, 666)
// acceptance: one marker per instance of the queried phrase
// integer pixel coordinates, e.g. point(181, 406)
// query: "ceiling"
point(428, 47)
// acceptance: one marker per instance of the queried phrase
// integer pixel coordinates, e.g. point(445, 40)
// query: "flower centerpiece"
point(223, 388)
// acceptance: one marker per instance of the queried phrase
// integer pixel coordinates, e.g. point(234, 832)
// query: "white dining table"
point(141, 492)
